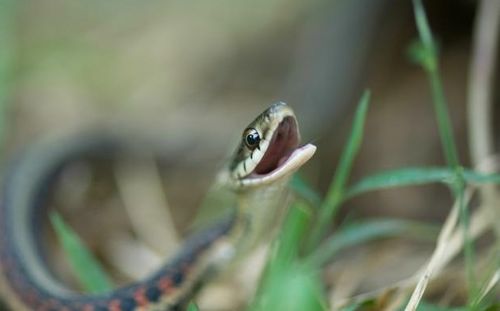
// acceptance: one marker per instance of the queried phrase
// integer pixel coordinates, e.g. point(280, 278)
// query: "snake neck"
point(260, 213)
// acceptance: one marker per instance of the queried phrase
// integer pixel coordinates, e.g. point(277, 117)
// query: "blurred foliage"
point(89, 272)
point(292, 278)
point(430, 64)
point(8, 13)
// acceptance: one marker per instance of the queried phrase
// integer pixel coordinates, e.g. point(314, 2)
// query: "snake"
point(267, 155)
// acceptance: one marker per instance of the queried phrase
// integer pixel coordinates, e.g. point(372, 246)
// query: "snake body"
point(264, 160)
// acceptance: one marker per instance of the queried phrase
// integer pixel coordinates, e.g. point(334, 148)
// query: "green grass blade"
point(489, 282)
point(424, 306)
point(88, 271)
point(365, 231)
point(297, 288)
point(478, 178)
point(287, 245)
point(429, 61)
point(292, 233)
point(304, 190)
point(400, 178)
point(445, 132)
point(288, 284)
point(351, 307)
point(336, 190)
point(413, 176)
point(192, 307)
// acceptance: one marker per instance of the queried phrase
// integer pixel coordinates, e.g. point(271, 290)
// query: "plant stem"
point(336, 190)
point(479, 102)
point(430, 65)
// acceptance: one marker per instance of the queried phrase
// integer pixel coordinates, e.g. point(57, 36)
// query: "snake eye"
point(251, 138)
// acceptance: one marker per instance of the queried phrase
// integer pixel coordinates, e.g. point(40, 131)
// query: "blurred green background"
point(192, 73)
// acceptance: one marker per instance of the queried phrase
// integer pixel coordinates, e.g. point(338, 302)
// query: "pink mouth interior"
point(284, 141)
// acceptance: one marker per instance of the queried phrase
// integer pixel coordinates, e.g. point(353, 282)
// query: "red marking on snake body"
point(114, 305)
point(43, 308)
point(88, 307)
point(50, 304)
point(30, 297)
point(186, 268)
point(140, 297)
point(165, 284)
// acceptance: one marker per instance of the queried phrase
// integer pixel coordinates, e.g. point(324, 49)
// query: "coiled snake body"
point(266, 157)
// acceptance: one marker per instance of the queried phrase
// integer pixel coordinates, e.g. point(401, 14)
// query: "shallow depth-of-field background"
point(193, 73)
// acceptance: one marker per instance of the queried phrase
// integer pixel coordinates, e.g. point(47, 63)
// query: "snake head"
point(269, 149)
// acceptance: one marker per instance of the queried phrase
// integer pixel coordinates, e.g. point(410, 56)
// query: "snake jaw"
point(284, 141)
point(278, 153)
point(287, 165)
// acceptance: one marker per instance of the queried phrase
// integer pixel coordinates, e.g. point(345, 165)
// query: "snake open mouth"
point(283, 142)
point(269, 149)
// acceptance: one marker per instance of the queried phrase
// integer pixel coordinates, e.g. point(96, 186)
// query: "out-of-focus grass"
point(192, 307)
point(417, 176)
point(89, 273)
point(369, 230)
point(426, 55)
point(304, 190)
point(285, 276)
point(8, 14)
point(430, 307)
point(335, 193)
point(293, 270)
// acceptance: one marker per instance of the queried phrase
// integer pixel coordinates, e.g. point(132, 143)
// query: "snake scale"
point(265, 158)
